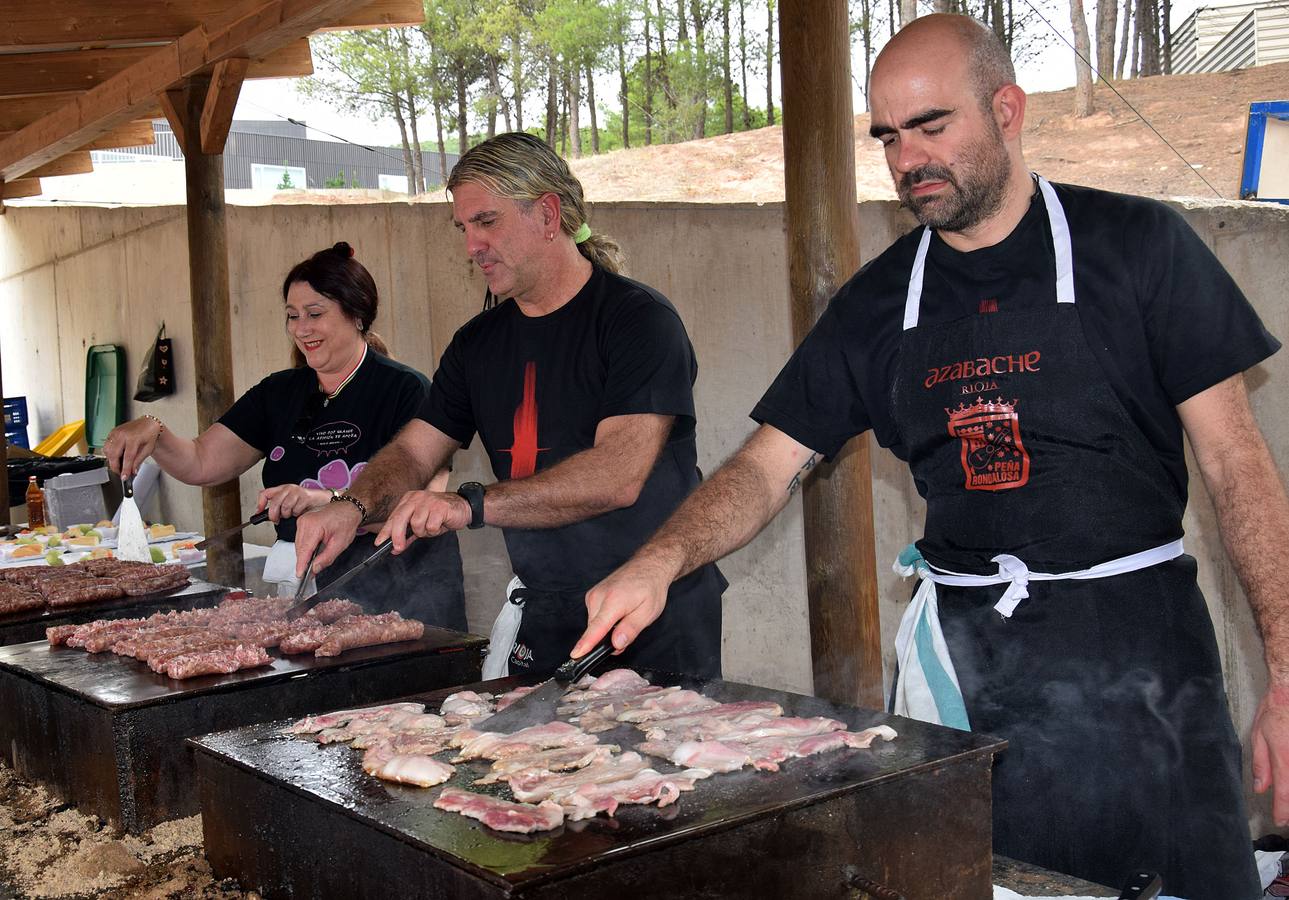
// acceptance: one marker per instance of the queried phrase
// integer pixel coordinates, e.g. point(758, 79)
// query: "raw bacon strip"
point(421, 771)
point(217, 662)
point(664, 706)
point(492, 745)
point(359, 727)
point(312, 724)
point(619, 681)
point(713, 719)
point(713, 755)
point(424, 724)
point(511, 696)
point(646, 786)
point(531, 789)
point(500, 815)
point(465, 706)
point(367, 631)
point(755, 728)
point(417, 744)
point(559, 759)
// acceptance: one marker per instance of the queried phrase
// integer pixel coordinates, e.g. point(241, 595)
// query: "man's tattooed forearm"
point(801, 473)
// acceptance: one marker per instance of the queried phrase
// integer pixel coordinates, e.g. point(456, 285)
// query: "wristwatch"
point(473, 492)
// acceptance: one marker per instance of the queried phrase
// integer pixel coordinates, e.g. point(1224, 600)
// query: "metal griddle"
point(30, 624)
point(914, 815)
point(107, 733)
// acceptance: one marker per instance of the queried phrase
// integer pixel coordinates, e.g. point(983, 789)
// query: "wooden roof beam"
point(77, 163)
point(82, 23)
point(23, 187)
point(132, 134)
point(221, 99)
point(24, 74)
point(257, 29)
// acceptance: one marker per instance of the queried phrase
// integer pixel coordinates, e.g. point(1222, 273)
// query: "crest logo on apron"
point(993, 457)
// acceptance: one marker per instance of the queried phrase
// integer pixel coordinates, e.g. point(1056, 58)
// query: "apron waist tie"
point(927, 686)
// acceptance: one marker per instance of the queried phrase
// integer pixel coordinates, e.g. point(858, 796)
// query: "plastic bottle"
point(35, 504)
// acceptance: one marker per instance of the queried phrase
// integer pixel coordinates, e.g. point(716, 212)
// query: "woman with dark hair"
point(315, 426)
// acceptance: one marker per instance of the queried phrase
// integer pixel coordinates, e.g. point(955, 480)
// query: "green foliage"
point(286, 184)
point(337, 182)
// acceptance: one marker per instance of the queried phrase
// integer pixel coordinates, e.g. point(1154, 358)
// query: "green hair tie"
point(582, 234)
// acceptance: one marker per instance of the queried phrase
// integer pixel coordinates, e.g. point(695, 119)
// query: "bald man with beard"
point(1035, 353)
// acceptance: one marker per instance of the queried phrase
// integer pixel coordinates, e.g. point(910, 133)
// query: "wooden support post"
point(211, 323)
point(4, 456)
point(823, 251)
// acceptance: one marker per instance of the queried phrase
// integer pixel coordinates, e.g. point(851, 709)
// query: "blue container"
point(15, 414)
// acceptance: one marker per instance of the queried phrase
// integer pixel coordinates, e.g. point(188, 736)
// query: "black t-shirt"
point(1162, 317)
point(534, 388)
point(383, 396)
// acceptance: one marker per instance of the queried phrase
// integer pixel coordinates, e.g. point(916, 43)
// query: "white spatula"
point(131, 536)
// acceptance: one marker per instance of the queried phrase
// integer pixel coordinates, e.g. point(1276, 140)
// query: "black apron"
point(685, 639)
point(423, 582)
point(1121, 750)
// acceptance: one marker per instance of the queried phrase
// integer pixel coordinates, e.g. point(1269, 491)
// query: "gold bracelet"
point(161, 426)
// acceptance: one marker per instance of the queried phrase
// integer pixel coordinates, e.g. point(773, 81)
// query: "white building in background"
point(1232, 36)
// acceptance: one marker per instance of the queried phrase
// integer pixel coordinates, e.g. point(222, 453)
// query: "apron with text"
point(1121, 752)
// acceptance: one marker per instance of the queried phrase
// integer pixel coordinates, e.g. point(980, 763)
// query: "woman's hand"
point(290, 500)
point(128, 445)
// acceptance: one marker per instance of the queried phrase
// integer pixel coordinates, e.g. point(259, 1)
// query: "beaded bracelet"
point(347, 497)
point(161, 426)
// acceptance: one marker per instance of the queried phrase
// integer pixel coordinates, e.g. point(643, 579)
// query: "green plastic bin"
point(104, 392)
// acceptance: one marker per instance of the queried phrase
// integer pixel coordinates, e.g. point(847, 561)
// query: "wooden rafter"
point(254, 29)
point(221, 99)
point(23, 74)
point(77, 163)
point(93, 23)
point(23, 187)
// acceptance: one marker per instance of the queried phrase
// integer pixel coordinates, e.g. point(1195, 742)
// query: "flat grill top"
point(117, 682)
point(195, 590)
point(333, 775)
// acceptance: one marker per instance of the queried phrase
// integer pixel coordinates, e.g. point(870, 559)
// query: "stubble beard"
point(963, 204)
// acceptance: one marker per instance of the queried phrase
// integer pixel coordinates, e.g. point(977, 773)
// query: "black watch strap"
point(473, 492)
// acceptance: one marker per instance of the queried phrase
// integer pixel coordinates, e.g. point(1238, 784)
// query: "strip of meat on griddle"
point(557, 759)
point(333, 610)
point(553, 786)
point(218, 661)
point(647, 786)
point(464, 707)
point(368, 631)
point(314, 724)
point(493, 745)
point(501, 815)
point(15, 598)
point(419, 770)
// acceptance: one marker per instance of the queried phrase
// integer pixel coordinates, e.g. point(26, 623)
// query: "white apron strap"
point(1062, 247)
point(505, 628)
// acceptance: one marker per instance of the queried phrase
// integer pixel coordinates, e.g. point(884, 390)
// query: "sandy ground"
point(50, 850)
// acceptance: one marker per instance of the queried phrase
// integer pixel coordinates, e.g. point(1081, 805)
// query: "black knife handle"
point(259, 518)
point(1142, 886)
point(576, 668)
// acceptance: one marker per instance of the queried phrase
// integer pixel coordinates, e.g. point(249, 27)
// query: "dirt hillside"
point(1203, 116)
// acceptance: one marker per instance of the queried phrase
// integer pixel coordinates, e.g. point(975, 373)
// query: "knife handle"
point(259, 518)
point(576, 668)
point(1142, 886)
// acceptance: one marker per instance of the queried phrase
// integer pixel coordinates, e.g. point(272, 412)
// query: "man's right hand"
point(333, 526)
point(625, 603)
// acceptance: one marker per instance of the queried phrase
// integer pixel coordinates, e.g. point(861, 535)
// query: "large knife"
point(303, 606)
point(538, 705)
point(229, 532)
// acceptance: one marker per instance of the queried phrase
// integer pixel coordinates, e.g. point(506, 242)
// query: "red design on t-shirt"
point(989, 305)
point(993, 457)
point(523, 449)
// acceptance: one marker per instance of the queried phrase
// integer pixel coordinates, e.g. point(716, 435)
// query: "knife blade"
point(229, 532)
point(303, 606)
point(539, 704)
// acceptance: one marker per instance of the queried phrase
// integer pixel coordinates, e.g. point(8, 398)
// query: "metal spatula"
point(302, 606)
point(131, 535)
point(539, 705)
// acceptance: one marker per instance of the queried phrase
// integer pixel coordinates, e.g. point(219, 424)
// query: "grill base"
point(116, 748)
